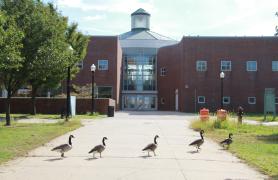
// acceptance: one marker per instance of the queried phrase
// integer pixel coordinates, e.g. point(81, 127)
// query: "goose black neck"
point(70, 141)
point(155, 142)
point(230, 136)
point(201, 134)
point(103, 142)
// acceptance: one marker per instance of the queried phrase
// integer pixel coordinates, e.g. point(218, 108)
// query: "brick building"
point(143, 70)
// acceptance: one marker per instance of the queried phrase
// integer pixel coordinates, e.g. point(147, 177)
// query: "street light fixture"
point(93, 69)
point(222, 76)
point(68, 88)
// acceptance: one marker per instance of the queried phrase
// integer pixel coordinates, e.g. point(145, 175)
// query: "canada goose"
point(152, 146)
point(99, 148)
point(227, 141)
point(198, 142)
point(64, 147)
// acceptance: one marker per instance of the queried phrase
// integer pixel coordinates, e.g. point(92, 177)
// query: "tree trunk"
point(34, 93)
point(8, 108)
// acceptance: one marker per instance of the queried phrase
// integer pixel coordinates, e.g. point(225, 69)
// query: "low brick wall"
point(55, 105)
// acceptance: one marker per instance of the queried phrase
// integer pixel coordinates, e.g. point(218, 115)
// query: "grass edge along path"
point(256, 145)
point(20, 138)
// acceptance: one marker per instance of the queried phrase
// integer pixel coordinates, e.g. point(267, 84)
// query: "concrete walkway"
point(38, 121)
point(128, 133)
point(252, 122)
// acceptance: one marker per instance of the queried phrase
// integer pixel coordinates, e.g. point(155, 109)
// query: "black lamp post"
point(222, 76)
point(93, 69)
point(68, 90)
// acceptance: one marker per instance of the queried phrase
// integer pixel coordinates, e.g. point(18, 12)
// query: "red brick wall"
point(102, 48)
point(238, 84)
point(168, 57)
point(55, 105)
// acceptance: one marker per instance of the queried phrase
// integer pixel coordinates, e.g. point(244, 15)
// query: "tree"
point(46, 39)
point(45, 45)
point(78, 44)
point(11, 59)
point(49, 55)
point(54, 58)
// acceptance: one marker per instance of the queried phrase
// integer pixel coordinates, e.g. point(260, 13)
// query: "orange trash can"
point(222, 114)
point(204, 114)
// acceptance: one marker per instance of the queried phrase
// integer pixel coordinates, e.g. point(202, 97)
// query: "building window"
point(226, 100)
point(251, 65)
point(201, 99)
point(226, 65)
point(274, 65)
point(251, 100)
point(276, 100)
point(102, 65)
point(162, 100)
point(163, 71)
point(104, 92)
point(80, 65)
point(201, 65)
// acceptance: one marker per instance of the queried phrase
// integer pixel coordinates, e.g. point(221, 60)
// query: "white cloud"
point(175, 18)
point(94, 18)
point(119, 6)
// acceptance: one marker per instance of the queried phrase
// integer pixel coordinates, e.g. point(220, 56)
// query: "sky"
point(175, 18)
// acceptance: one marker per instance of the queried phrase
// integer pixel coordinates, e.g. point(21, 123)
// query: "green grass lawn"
point(257, 145)
point(256, 117)
point(20, 138)
point(48, 116)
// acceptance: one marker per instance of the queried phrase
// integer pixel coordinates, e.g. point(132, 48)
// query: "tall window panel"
point(139, 73)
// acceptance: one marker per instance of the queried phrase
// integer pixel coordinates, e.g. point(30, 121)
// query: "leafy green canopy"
point(34, 46)
point(11, 60)
point(47, 37)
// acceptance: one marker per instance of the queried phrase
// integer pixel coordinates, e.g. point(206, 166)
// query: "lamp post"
point(222, 76)
point(93, 69)
point(68, 89)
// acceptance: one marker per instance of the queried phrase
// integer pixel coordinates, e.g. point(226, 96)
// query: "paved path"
point(252, 122)
point(127, 134)
point(38, 121)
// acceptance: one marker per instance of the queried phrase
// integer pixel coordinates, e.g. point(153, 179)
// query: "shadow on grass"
point(22, 117)
point(271, 139)
point(275, 177)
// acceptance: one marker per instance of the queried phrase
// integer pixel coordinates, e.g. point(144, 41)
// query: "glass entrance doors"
point(139, 102)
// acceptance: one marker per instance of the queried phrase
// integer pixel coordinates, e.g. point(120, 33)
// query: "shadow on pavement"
point(193, 152)
point(54, 159)
point(90, 159)
point(144, 156)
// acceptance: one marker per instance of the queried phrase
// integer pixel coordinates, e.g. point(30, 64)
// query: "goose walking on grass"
point(198, 142)
point(227, 141)
point(151, 147)
point(99, 148)
point(64, 147)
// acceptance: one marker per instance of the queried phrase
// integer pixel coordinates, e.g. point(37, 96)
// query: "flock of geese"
point(149, 148)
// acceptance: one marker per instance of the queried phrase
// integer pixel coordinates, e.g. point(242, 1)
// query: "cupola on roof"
point(140, 20)
point(141, 36)
point(140, 11)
